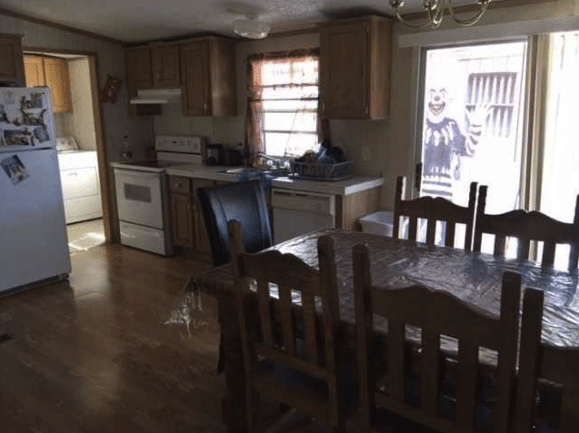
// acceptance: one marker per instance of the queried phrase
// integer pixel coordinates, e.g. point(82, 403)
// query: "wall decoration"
point(110, 91)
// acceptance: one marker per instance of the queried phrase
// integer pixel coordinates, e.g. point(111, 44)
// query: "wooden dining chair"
point(526, 227)
point(274, 331)
point(436, 314)
point(559, 367)
point(433, 210)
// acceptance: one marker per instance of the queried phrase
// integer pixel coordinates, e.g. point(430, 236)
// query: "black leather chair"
point(244, 202)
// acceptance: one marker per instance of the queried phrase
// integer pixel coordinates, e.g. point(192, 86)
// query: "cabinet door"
point(165, 64)
point(182, 218)
point(57, 78)
point(196, 79)
point(202, 243)
point(343, 70)
point(11, 62)
point(34, 71)
point(139, 75)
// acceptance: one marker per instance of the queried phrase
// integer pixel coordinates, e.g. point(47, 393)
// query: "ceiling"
point(144, 20)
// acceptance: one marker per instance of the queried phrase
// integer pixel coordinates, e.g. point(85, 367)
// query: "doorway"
point(73, 79)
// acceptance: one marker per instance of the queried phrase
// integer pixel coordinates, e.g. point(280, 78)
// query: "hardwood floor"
point(92, 354)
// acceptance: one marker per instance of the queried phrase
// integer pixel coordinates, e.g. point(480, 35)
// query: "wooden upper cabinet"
point(11, 60)
point(34, 71)
point(51, 72)
point(196, 80)
point(165, 65)
point(208, 77)
point(156, 65)
point(355, 64)
point(57, 78)
point(139, 71)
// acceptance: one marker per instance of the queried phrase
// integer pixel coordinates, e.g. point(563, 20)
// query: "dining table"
point(474, 277)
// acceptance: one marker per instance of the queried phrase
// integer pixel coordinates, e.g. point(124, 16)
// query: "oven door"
point(140, 197)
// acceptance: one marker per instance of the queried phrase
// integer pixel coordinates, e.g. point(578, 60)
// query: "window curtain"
point(256, 83)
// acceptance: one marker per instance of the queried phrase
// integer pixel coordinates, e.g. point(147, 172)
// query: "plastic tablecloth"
point(473, 277)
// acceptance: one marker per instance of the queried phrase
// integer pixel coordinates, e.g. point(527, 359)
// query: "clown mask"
point(436, 101)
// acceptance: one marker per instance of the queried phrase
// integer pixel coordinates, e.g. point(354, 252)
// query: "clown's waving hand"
point(444, 142)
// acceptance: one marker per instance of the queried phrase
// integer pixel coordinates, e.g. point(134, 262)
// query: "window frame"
point(256, 140)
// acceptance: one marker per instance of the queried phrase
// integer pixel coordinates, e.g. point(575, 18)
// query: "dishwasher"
point(297, 212)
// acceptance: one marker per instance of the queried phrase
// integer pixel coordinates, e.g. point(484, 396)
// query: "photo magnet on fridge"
point(14, 169)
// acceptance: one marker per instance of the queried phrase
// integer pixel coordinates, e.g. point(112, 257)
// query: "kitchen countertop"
point(348, 186)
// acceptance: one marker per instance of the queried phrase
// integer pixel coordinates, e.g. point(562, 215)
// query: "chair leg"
point(252, 410)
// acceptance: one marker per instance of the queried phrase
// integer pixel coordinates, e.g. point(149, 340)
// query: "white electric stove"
point(143, 197)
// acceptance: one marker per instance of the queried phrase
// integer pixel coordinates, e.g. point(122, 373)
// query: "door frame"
point(105, 176)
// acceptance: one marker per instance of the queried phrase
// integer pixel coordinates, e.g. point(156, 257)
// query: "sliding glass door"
point(473, 126)
point(472, 123)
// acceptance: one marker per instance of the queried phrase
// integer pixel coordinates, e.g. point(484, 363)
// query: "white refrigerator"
point(33, 238)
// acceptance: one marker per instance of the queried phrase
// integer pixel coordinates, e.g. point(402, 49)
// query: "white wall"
point(78, 123)
point(82, 122)
point(111, 60)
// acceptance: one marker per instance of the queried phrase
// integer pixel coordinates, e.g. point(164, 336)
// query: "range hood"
point(157, 96)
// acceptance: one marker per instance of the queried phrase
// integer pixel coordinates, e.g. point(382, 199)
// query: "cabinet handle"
point(324, 107)
point(178, 185)
point(205, 107)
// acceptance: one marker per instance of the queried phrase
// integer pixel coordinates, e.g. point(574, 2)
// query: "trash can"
point(379, 223)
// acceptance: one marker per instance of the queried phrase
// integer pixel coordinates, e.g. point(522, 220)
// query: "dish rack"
point(320, 171)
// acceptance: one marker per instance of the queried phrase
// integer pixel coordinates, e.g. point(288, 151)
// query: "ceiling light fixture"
point(435, 11)
point(250, 28)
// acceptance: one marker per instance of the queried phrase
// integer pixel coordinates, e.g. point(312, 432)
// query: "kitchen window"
point(282, 103)
point(484, 120)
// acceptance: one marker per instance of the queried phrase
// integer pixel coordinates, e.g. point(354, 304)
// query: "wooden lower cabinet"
point(202, 243)
point(189, 226)
point(351, 207)
point(187, 218)
point(182, 219)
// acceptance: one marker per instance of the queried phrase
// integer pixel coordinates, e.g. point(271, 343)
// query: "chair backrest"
point(241, 201)
point(294, 280)
point(558, 366)
point(433, 210)
point(526, 227)
point(437, 314)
